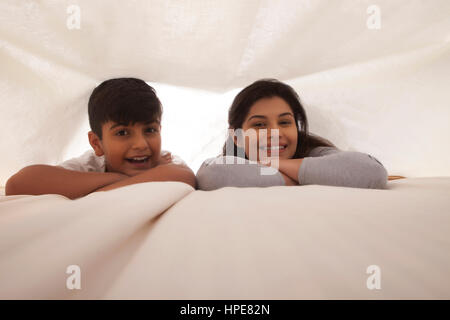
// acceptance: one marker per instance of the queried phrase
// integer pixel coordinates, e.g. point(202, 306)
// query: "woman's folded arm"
point(330, 166)
point(323, 166)
point(226, 171)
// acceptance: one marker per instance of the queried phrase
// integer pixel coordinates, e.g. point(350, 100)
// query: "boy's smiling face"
point(128, 149)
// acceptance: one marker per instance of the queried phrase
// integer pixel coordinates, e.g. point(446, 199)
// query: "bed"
point(166, 240)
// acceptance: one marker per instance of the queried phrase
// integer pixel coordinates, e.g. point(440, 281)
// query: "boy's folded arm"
point(46, 179)
point(164, 172)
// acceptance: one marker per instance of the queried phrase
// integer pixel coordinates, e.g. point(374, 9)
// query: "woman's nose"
point(275, 131)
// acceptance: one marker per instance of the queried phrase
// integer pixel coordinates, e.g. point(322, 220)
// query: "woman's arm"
point(290, 167)
point(222, 172)
point(45, 179)
point(330, 166)
point(163, 172)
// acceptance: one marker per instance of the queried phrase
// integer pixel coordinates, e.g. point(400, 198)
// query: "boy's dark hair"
point(123, 100)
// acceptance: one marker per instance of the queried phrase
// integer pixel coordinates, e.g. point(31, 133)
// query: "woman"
point(303, 158)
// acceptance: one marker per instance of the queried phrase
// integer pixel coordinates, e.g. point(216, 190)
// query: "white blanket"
point(163, 240)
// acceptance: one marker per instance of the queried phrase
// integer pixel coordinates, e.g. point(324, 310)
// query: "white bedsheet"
point(312, 242)
point(40, 236)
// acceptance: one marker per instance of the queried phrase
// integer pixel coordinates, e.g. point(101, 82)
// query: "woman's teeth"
point(274, 148)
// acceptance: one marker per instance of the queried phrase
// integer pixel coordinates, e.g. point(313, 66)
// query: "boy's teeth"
point(140, 158)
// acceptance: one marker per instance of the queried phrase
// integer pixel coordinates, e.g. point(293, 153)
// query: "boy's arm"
point(45, 179)
point(164, 172)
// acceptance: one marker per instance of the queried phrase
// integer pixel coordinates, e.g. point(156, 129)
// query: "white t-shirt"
point(89, 162)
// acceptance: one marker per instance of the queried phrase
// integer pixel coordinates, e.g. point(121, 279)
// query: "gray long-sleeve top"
point(323, 166)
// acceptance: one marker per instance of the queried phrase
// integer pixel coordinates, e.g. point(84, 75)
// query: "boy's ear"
point(95, 143)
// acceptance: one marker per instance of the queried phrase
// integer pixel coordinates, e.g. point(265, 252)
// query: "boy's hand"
point(170, 171)
point(165, 158)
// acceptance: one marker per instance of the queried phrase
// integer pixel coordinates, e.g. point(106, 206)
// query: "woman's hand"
point(288, 180)
point(288, 168)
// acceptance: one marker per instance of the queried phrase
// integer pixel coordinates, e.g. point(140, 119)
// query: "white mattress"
point(163, 240)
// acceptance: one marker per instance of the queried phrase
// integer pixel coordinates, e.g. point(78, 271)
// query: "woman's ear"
point(95, 143)
point(233, 133)
point(240, 140)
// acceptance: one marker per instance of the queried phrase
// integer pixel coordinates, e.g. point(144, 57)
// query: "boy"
point(124, 116)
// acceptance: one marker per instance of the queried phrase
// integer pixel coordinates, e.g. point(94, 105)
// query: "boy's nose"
point(139, 142)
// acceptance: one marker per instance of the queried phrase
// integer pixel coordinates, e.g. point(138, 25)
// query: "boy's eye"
point(122, 133)
point(152, 130)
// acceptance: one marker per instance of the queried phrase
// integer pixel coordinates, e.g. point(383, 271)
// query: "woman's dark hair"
point(268, 88)
point(123, 100)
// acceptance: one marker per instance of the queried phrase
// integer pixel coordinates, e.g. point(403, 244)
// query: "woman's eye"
point(285, 122)
point(258, 124)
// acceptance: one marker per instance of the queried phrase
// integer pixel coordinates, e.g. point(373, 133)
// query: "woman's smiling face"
point(272, 113)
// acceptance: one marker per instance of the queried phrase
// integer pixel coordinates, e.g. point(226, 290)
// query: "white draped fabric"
point(372, 78)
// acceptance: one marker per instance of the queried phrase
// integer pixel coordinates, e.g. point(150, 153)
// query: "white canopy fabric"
point(373, 75)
